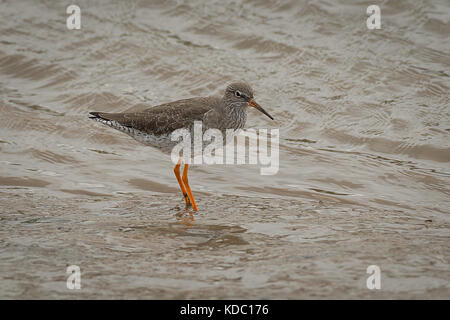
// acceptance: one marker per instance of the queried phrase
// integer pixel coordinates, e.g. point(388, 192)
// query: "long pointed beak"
point(252, 103)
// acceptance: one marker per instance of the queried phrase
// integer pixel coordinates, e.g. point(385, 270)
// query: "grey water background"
point(364, 119)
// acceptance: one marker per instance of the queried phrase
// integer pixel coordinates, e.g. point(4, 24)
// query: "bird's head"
point(240, 94)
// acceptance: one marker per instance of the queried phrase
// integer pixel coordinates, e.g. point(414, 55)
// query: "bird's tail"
point(95, 115)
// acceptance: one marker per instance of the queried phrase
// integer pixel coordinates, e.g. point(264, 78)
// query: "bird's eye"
point(237, 94)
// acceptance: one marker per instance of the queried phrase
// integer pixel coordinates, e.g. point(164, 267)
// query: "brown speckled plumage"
point(154, 125)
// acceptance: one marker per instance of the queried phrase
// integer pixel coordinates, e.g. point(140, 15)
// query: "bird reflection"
point(186, 217)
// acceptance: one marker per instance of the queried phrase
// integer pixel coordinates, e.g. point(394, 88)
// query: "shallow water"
point(364, 123)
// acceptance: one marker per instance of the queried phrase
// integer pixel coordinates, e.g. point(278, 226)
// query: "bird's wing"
point(165, 118)
point(211, 119)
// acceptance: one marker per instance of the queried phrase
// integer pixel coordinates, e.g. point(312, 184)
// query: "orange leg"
point(188, 188)
point(176, 170)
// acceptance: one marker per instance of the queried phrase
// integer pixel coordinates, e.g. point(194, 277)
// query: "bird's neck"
point(235, 117)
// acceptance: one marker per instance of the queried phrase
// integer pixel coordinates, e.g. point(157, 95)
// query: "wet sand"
point(364, 125)
point(142, 247)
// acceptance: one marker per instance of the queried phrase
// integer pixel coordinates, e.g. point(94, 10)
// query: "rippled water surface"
point(364, 119)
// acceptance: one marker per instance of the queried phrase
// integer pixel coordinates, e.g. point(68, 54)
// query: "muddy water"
point(364, 151)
